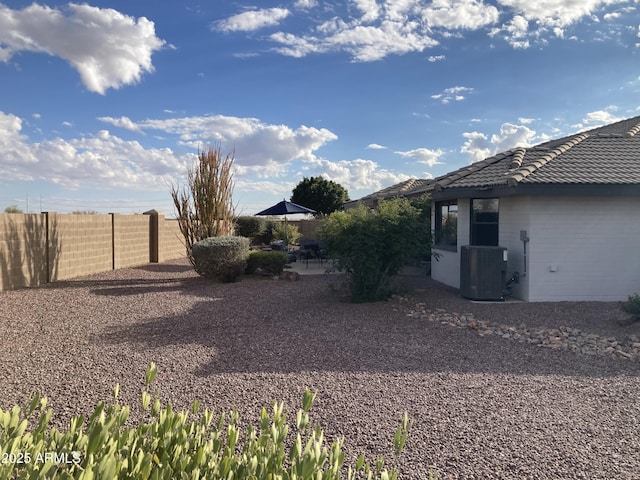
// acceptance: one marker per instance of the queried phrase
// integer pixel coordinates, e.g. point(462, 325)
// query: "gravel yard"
point(484, 406)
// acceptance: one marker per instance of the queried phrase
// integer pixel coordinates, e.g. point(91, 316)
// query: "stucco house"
point(567, 213)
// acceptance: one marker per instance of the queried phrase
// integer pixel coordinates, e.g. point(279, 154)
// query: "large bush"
point(176, 445)
point(221, 258)
point(287, 232)
point(372, 245)
point(271, 262)
point(250, 227)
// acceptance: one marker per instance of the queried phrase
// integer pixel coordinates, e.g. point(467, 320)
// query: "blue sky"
point(104, 104)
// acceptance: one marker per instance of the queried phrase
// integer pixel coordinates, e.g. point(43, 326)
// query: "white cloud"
point(263, 153)
point(557, 13)
point(122, 122)
point(104, 160)
point(252, 20)
point(477, 146)
point(388, 28)
point(599, 118)
point(370, 43)
point(375, 146)
point(512, 136)
point(480, 146)
point(305, 4)
point(460, 14)
point(107, 48)
point(534, 22)
point(255, 142)
point(436, 58)
point(369, 8)
point(370, 30)
point(357, 175)
point(424, 155)
point(101, 160)
point(515, 32)
point(452, 93)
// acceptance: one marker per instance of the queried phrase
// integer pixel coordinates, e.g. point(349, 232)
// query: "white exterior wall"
point(592, 243)
point(447, 268)
point(514, 217)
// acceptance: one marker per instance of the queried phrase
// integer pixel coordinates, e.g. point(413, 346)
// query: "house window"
point(447, 224)
point(484, 221)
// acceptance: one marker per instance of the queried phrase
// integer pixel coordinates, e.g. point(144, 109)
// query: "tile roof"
point(409, 188)
point(604, 155)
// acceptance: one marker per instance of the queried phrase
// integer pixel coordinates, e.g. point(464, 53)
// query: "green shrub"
point(221, 258)
point(271, 262)
point(632, 306)
point(371, 246)
point(287, 232)
point(176, 445)
point(250, 227)
point(266, 234)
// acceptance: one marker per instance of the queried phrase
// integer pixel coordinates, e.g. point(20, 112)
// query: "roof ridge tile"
point(448, 178)
point(633, 130)
point(518, 156)
point(524, 172)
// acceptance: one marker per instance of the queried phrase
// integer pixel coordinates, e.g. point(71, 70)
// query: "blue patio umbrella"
point(285, 208)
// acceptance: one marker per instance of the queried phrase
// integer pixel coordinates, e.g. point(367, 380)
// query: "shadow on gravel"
point(303, 327)
point(165, 268)
point(140, 287)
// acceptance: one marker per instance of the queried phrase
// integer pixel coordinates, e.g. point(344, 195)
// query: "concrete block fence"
point(38, 248)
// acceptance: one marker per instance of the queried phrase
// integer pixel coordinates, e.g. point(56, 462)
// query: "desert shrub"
point(271, 262)
point(266, 234)
point(204, 206)
point(372, 245)
point(287, 232)
point(221, 258)
point(176, 444)
point(632, 306)
point(250, 227)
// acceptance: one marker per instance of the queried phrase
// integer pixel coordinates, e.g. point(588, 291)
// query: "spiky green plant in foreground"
point(176, 445)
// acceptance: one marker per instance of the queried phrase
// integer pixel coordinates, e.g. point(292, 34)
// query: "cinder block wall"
point(83, 246)
point(23, 261)
point(45, 247)
point(130, 240)
point(308, 228)
point(171, 241)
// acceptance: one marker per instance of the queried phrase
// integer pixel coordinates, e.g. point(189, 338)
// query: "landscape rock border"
point(560, 338)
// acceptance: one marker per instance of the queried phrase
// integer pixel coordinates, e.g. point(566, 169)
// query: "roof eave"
point(539, 189)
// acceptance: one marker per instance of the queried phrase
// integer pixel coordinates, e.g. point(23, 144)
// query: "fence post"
point(154, 235)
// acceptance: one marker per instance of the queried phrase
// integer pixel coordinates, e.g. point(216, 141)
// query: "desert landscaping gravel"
point(485, 404)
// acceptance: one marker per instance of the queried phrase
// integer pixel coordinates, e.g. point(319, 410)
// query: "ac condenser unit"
point(483, 272)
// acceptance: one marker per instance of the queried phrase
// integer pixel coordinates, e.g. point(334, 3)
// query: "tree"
point(12, 209)
point(372, 245)
point(319, 194)
point(205, 205)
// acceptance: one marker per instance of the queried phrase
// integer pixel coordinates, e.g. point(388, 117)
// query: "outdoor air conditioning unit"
point(483, 272)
